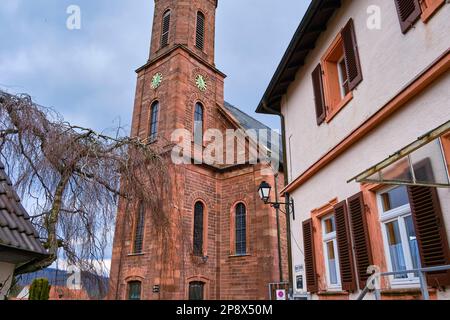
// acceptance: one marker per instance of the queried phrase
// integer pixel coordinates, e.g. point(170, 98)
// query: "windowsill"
point(405, 285)
point(239, 255)
point(339, 107)
point(332, 293)
point(404, 291)
point(431, 10)
point(136, 254)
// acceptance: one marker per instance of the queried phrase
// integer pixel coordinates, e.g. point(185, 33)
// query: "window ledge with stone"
point(239, 255)
point(136, 254)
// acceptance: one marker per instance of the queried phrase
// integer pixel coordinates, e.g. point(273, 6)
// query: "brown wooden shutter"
point(408, 12)
point(430, 232)
point(346, 264)
point(361, 241)
point(310, 261)
point(352, 61)
point(321, 111)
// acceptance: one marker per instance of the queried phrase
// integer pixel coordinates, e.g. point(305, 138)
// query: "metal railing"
point(422, 278)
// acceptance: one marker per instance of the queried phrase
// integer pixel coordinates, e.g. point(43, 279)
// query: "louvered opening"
point(139, 230)
point(310, 267)
point(406, 8)
point(200, 34)
point(409, 12)
point(319, 95)
point(352, 62)
point(431, 232)
point(344, 247)
point(363, 254)
point(165, 29)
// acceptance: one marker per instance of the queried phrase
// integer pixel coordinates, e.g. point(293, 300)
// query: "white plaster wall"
point(6, 274)
point(389, 61)
point(426, 112)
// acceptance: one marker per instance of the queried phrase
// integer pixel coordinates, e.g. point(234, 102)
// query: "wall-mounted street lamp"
point(264, 193)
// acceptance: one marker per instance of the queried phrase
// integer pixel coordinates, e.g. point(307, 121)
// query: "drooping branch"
point(74, 177)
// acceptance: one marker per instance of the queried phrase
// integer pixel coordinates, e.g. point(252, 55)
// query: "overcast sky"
point(88, 75)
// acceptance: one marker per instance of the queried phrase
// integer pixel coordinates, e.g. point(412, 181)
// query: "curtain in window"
point(396, 249)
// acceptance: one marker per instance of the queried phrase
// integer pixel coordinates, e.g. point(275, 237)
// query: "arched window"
point(241, 229)
point(200, 34)
point(196, 290)
point(154, 121)
point(165, 29)
point(198, 124)
point(134, 290)
point(198, 229)
point(139, 230)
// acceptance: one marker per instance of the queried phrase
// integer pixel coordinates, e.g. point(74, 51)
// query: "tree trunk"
point(51, 225)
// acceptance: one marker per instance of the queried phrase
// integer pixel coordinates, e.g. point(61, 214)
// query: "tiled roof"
point(16, 230)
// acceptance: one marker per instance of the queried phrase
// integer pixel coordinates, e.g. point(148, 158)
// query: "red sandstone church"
point(223, 239)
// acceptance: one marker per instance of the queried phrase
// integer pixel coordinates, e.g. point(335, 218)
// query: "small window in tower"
point(139, 230)
point(241, 229)
point(200, 39)
point(154, 121)
point(198, 229)
point(198, 124)
point(165, 29)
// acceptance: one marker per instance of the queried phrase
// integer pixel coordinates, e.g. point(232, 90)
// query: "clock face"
point(201, 83)
point(157, 80)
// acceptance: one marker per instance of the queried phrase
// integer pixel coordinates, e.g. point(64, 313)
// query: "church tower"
point(222, 240)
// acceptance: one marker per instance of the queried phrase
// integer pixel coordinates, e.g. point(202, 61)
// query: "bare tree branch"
point(73, 178)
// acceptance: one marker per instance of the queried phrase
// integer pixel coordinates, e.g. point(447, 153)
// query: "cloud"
point(88, 75)
point(10, 7)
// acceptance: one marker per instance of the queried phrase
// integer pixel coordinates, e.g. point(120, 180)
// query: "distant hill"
point(96, 286)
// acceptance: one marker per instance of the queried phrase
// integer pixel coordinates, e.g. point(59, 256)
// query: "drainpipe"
point(280, 256)
point(287, 197)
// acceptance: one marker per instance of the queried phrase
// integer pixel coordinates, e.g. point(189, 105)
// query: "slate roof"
point(16, 230)
point(247, 122)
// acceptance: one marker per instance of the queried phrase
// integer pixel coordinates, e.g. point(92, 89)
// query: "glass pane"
point(241, 230)
point(196, 290)
point(134, 291)
point(330, 225)
point(396, 249)
point(332, 263)
point(198, 229)
point(398, 171)
point(395, 198)
point(412, 240)
point(429, 164)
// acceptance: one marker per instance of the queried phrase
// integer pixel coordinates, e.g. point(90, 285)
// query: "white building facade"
point(360, 81)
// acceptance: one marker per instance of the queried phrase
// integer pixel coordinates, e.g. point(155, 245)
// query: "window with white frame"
point(331, 253)
point(401, 248)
